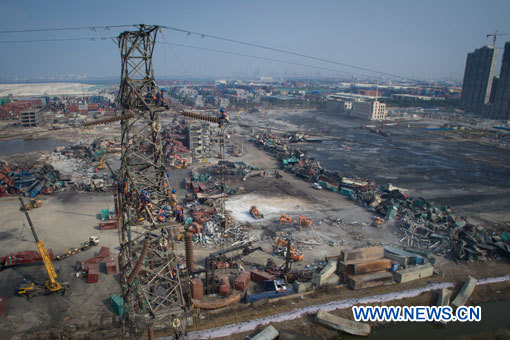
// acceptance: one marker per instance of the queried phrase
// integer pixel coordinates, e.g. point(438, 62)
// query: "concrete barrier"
point(465, 292)
point(322, 278)
point(341, 324)
point(443, 299)
point(268, 333)
point(414, 273)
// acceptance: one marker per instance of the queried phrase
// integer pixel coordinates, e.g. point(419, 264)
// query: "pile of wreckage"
point(431, 227)
point(424, 225)
point(84, 165)
point(29, 181)
point(208, 185)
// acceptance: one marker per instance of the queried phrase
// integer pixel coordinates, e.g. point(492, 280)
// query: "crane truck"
point(51, 286)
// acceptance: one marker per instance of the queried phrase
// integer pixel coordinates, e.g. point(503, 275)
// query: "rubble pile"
point(26, 180)
point(430, 227)
point(423, 225)
point(82, 164)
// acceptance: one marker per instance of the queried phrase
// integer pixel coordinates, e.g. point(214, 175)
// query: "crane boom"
point(52, 284)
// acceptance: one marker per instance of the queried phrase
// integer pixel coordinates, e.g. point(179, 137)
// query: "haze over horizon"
point(420, 40)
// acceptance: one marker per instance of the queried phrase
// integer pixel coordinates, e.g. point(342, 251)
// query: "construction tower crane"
point(494, 35)
point(51, 286)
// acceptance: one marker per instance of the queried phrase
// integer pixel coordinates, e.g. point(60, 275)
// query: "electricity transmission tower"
point(149, 275)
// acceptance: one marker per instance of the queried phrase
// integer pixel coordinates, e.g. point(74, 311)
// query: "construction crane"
point(494, 35)
point(51, 286)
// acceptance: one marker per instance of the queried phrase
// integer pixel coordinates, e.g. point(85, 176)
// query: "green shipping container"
point(117, 304)
point(105, 214)
point(346, 192)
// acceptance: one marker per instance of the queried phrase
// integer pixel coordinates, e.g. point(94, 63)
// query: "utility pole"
point(149, 273)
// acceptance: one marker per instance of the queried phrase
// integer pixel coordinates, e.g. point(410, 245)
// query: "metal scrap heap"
point(424, 225)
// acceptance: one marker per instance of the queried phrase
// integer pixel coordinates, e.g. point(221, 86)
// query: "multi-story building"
point(369, 110)
point(28, 118)
point(501, 104)
point(478, 78)
point(339, 106)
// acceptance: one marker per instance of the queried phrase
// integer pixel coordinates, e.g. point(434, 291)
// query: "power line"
point(211, 36)
point(92, 28)
point(204, 35)
point(258, 57)
point(55, 39)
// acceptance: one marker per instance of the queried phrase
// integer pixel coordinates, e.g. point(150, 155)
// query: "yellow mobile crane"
point(51, 286)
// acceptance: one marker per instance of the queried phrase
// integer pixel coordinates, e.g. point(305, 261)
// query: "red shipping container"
point(3, 303)
point(241, 281)
point(93, 273)
point(109, 225)
point(22, 257)
point(224, 286)
point(260, 276)
point(225, 290)
point(197, 289)
point(111, 265)
point(3, 191)
point(195, 187)
point(103, 253)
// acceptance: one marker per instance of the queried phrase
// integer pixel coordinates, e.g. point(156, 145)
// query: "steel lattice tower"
point(149, 275)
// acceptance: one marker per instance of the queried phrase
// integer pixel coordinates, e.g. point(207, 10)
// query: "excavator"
point(101, 163)
point(378, 222)
point(303, 222)
point(293, 253)
point(178, 162)
point(254, 212)
point(51, 286)
point(284, 219)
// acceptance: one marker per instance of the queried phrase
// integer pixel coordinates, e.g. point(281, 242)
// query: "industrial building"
point(369, 110)
point(339, 106)
point(28, 118)
point(501, 102)
point(478, 79)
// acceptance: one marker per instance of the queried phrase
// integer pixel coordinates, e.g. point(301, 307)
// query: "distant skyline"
point(420, 40)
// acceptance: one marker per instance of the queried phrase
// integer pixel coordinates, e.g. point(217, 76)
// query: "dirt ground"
point(64, 221)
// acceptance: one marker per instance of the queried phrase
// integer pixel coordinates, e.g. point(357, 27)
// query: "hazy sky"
point(420, 39)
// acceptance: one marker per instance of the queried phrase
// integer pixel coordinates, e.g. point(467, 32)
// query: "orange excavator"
point(303, 222)
point(284, 219)
point(254, 212)
point(293, 253)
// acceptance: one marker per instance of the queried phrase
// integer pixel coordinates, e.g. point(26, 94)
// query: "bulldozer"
point(303, 222)
point(254, 212)
point(31, 205)
point(284, 219)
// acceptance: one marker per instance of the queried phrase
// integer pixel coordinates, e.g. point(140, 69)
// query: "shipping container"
point(93, 273)
point(224, 286)
point(111, 265)
point(267, 295)
point(197, 289)
point(109, 225)
point(261, 276)
point(241, 281)
point(117, 304)
point(23, 257)
point(370, 280)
